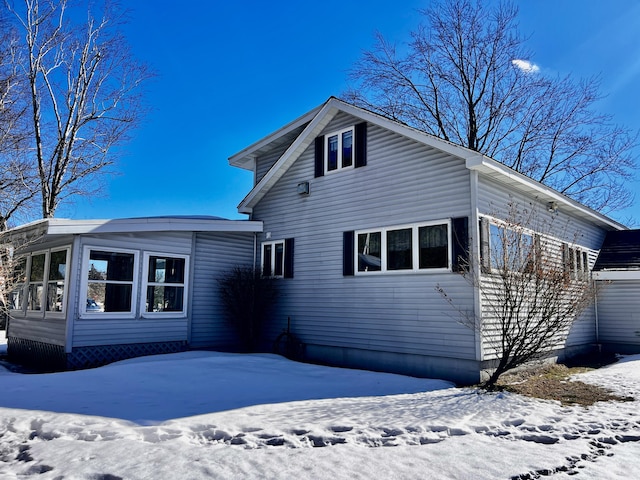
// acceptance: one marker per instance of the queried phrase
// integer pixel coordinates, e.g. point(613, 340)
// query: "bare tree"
point(532, 288)
point(82, 92)
point(466, 77)
point(18, 184)
point(247, 298)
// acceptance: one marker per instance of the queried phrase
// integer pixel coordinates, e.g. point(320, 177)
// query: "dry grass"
point(551, 382)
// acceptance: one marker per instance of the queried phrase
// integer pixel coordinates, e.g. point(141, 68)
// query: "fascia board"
point(137, 225)
point(246, 157)
point(487, 165)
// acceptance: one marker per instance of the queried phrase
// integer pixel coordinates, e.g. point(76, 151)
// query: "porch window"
point(109, 280)
point(56, 280)
point(39, 282)
point(36, 282)
point(165, 284)
point(18, 282)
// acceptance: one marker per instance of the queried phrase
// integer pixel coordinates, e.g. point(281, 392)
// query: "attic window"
point(339, 150)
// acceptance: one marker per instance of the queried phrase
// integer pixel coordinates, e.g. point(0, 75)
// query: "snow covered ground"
point(202, 415)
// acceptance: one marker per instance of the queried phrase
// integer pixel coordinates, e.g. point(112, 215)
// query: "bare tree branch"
point(464, 78)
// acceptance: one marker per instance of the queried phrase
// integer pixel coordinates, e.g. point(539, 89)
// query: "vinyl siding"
point(215, 254)
point(111, 331)
point(619, 314)
point(404, 182)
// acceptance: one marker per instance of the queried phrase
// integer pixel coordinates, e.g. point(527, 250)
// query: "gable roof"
point(310, 125)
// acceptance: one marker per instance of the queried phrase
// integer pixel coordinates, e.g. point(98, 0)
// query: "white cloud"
point(526, 66)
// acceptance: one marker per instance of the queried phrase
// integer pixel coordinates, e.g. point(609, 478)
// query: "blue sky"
point(230, 73)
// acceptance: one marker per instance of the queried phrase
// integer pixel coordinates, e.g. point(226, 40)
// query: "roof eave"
point(246, 158)
point(509, 176)
point(58, 227)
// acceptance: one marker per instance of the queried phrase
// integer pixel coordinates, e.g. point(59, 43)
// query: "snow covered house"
point(94, 291)
point(372, 215)
point(358, 217)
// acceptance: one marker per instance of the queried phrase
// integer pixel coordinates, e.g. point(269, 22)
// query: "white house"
point(358, 217)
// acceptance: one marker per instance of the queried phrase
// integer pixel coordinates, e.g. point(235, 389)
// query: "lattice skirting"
point(87, 357)
point(47, 357)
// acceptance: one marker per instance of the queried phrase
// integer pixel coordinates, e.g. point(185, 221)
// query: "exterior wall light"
point(303, 188)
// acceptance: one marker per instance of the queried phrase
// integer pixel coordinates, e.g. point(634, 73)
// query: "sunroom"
point(88, 292)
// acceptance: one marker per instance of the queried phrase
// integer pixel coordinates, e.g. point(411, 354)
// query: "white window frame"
point(415, 250)
point(524, 232)
point(28, 283)
point(24, 287)
point(65, 292)
point(146, 283)
point(273, 243)
point(84, 284)
point(339, 134)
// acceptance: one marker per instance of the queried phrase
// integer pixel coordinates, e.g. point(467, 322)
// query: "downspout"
point(474, 259)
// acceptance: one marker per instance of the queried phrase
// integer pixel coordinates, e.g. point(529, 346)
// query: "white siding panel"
point(619, 312)
point(404, 182)
point(214, 255)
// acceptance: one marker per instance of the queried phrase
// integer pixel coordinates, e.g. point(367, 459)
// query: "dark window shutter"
point(485, 247)
point(361, 145)
point(288, 258)
point(319, 158)
point(348, 253)
point(460, 235)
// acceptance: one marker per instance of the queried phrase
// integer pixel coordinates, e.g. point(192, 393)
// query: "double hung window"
point(339, 150)
point(421, 247)
point(277, 258)
point(273, 259)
